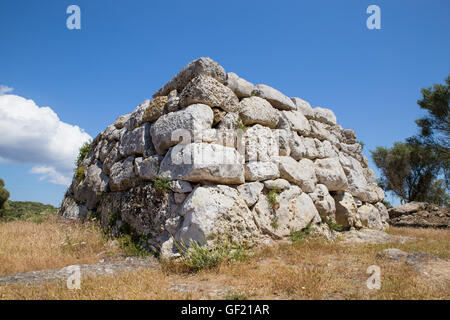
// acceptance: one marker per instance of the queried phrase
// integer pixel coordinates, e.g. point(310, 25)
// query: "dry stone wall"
point(214, 156)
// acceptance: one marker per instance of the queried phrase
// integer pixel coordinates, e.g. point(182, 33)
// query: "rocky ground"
point(420, 215)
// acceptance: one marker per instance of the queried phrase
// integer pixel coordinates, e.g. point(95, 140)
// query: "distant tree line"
point(418, 169)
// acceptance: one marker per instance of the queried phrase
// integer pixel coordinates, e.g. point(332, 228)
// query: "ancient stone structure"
point(214, 156)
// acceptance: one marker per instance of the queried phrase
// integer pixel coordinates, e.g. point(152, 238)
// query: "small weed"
point(274, 223)
point(161, 184)
point(272, 198)
point(84, 150)
point(132, 247)
point(241, 125)
point(232, 295)
point(297, 236)
point(334, 226)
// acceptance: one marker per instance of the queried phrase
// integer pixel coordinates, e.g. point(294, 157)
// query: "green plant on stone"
point(80, 173)
point(161, 184)
point(241, 125)
point(84, 150)
point(297, 236)
point(274, 223)
point(334, 226)
point(272, 198)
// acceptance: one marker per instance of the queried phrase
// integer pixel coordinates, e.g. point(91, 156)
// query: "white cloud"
point(5, 89)
point(35, 135)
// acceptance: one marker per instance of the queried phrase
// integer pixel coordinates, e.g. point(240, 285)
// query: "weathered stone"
point(330, 173)
point(230, 121)
point(180, 186)
point(250, 192)
point(122, 175)
point(350, 136)
point(201, 66)
point(370, 217)
point(275, 97)
point(324, 202)
point(261, 170)
point(277, 184)
point(72, 210)
point(324, 115)
point(301, 173)
point(135, 118)
point(255, 110)
point(201, 162)
point(112, 157)
point(184, 124)
point(122, 120)
point(179, 198)
point(242, 88)
point(155, 109)
point(147, 169)
point(304, 107)
point(346, 210)
point(384, 215)
point(297, 122)
point(212, 212)
point(283, 137)
point(319, 130)
point(135, 142)
point(260, 144)
point(310, 148)
point(173, 102)
point(93, 186)
point(209, 91)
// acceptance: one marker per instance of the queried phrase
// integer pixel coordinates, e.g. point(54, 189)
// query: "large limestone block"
point(283, 137)
point(241, 87)
point(324, 202)
point(370, 217)
point(319, 130)
point(212, 212)
point(346, 210)
point(311, 148)
point(112, 157)
point(135, 118)
point(260, 144)
point(330, 173)
point(135, 142)
point(184, 124)
point(301, 173)
point(294, 211)
point(297, 122)
point(201, 66)
point(250, 192)
point(275, 97)
point(384, 214)
point(209, 91)
point(155, 109)
point(122, 175)
point(201, 162)
point(147, 168)
point(261, 170)
point(324, 115)
point(94, 184)
point(277, 184)
point(304, 107)
point(72, 210)
point(255, 110)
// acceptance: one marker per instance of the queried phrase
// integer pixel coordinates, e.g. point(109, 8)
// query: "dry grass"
point(52, 244)
point(310, 269)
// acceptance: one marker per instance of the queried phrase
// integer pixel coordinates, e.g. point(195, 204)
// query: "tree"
point(4, 195)
point(407, 169)
point(412, 170)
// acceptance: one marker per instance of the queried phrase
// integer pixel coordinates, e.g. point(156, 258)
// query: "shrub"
point(334, 226)
point(132, 246)
point(27, 210)
point(80, 173)
point(84, 150)
point(198, 257)
point(4, 195)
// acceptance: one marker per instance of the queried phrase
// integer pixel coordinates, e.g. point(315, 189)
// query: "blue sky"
point(320, 51)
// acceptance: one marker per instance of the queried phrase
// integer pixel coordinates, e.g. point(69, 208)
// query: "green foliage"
point(297, 236)
point(84, 150)
point(4, 195)
point(334, 226)
point(274, 223)
point(408, 169)
point(233, 295)
point(198, 257)
point(132, 246)
point(272, 197)
point(241, 125)
point(387, 204)
point(80, 173)
point(26, 210)
point(361, 143)
point(161, 184)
